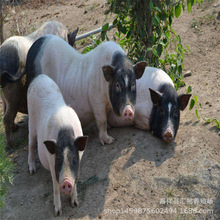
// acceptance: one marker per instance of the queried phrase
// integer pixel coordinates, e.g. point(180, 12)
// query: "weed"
point(6, 169)
point(170, 193)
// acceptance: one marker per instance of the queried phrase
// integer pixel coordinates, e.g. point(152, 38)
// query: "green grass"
point(6, 168)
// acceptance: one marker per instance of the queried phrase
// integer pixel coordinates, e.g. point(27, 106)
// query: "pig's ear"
point(51, 146)
point(183, 100)
point(72, 38)
point(155, 96)
point(81, 142)
point(139, 68)
point(108, 72)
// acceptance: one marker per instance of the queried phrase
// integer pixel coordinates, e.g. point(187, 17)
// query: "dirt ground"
point(139, 176)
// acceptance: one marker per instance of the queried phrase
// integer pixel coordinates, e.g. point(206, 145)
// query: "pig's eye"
point(133, 86)
point(117, 87)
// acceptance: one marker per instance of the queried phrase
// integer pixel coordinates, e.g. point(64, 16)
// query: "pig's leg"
point(101, 120)
point(8, 121)
point(32, 144)
point(74, 197)
point(56, 187)
point(12, 97)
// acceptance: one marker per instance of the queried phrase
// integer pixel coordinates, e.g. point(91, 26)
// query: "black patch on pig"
point(66, 139)
point(9, 62)
point(33, 52)
point(159, 113)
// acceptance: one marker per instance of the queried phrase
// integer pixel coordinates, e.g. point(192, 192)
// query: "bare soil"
point(138, 175)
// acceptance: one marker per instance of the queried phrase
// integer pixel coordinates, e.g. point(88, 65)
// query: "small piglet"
point(56, 129)
point(157, 107)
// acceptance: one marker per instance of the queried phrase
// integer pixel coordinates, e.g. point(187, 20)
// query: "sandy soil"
point(138, 175)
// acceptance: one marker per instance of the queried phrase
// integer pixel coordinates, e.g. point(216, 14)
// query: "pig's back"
point(152, 78)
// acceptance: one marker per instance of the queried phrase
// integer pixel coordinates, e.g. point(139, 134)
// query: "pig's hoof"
point(32, 168)
point(107, 140)
point(58, 211)
point(74, 203)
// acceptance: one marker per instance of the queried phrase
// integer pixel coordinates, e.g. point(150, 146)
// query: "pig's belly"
point(85, 117)
point(43, 156)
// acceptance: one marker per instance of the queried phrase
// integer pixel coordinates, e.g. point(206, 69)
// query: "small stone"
point(188, 73)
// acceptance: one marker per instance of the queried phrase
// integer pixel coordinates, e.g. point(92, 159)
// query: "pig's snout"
point(128, 113)
point(66, 187)
point(168, 135)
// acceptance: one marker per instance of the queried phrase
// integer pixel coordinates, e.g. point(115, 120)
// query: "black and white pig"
point(157, 107)
point(12, 64)
point(56, 129)
point(92, 83)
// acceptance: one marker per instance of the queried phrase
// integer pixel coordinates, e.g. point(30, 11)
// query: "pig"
point(157, 107)
point(56, 129)
point(93, 83)
point(12, 64)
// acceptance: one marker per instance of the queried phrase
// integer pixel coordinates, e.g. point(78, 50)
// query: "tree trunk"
point(149, 27)
point(1, 22)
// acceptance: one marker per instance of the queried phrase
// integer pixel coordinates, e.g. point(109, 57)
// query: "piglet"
point(57, 130)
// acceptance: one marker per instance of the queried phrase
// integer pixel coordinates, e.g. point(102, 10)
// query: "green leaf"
point(196, 99)
point(159, 49)
point(178, 10)
point(170, 20)
point(103, 35)
point(155, 52)
point(197, 114)
point(115, 21)
point(167, 34)
point(151, 5)
point(158, 19)
point(189, 89)
point(105, 27)
point(158, 9)
point(124, 30)
point(172, 12)
point(155, 21)
point(189, 5)
point(192, 103)
point(217, 123)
